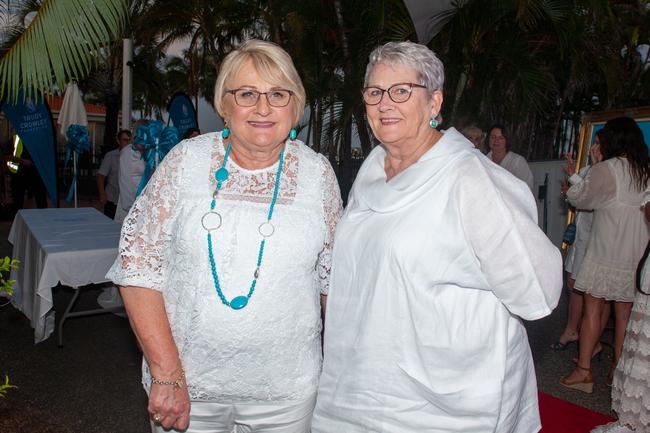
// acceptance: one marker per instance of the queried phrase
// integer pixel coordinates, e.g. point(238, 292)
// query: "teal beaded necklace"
point(211, 221)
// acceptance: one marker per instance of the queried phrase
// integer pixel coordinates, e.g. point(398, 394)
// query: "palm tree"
point(40, 57)
point(526, 63)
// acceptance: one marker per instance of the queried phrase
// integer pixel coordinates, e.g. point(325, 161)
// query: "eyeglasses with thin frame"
point(398, 93)
point(249, 97)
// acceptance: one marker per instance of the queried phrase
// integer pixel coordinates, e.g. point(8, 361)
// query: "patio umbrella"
point(430, 16)
point(72, 112)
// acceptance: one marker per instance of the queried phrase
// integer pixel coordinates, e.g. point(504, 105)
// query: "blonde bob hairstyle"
point(272, 63)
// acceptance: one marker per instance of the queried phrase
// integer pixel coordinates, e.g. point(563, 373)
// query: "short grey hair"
point(430, 70)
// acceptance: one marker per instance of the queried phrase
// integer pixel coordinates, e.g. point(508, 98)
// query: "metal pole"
point(74, 176)
point(127, 82)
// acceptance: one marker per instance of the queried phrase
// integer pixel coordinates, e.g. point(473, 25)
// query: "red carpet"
point(559, 416)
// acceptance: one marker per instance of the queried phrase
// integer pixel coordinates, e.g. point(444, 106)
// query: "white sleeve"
point(596, 190)
point(131, 170)
point(105, 167)
point(144, 243)
point(332, 210)
point(521, 265)
point(579, 176)
point(525, 173)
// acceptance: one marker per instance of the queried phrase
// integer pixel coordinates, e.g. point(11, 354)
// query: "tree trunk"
point(110, 127)
point(460, 89)
point(318, 127)
point(309, 125)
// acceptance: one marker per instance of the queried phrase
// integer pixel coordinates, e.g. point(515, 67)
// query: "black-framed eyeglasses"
point(249, 97)
point(400, 92)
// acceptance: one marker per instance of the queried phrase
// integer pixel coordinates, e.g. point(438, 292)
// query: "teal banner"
point(32, 121)
point(182, 113)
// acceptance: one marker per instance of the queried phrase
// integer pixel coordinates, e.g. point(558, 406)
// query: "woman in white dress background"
point(631, 387)
point(500, 153)
point(576, 254)
point(613, 188)
point(437, 258)
point(224, 258)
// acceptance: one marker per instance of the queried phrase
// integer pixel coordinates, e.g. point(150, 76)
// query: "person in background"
point(476, 135)
point(575, 255)
point(437, 259)
point(500, 153)
point(108, 175)
point(631, 385)
point(25, 178)
point(131, 171)
point(613, 188)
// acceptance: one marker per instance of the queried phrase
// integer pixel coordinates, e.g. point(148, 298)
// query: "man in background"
point(131, 171)
point(108, 175)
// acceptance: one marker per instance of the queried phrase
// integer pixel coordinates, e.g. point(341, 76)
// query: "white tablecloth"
point(75, 247)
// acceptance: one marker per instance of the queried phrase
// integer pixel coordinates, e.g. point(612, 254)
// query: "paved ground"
point(92, 384)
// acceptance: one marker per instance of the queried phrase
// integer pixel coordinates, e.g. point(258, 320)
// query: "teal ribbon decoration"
point(78, 141)
point(157, 141)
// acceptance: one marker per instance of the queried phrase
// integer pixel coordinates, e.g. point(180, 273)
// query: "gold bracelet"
point(175, 383)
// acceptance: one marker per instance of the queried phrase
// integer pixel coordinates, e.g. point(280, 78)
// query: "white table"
point(74, 247)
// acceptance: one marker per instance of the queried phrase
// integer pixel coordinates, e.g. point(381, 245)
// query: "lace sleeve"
point(332, 210)
point(146, 231)
point(597, 188)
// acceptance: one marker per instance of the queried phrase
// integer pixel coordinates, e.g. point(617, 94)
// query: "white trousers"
point(281, 417)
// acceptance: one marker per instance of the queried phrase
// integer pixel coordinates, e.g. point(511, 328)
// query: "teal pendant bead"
point(293, 134)
point(239, 302)
point(221, 174)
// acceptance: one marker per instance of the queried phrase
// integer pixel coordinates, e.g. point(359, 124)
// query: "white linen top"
point(131, 171)
point(619, 232)
point(271, 349)
point(110, 169)
point(517, 165)
point(432, 271)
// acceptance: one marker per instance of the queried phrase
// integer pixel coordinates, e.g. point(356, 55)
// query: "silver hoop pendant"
point(211, 221)
point(266, 229)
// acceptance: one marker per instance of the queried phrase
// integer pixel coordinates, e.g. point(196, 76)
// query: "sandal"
point(585, 385)
point(559, 346)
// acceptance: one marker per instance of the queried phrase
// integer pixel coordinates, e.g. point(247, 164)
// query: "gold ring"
point(157, 418)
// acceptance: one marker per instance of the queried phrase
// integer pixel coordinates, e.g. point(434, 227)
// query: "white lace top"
point(270, 350)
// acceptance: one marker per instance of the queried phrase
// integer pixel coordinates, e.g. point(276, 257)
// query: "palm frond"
point(60, 44)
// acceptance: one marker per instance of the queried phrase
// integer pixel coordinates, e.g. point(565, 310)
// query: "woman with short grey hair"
point(436, 261)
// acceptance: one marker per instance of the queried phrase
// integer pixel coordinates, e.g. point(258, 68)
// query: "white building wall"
point(556, 206)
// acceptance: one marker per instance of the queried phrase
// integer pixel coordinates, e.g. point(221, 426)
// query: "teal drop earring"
point(433, 123)
point(225, 132)
point(293, 134)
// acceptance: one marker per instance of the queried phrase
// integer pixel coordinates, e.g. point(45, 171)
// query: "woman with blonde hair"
point(225, 257)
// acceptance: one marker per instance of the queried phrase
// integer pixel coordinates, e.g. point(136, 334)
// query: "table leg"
point(69, 313)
